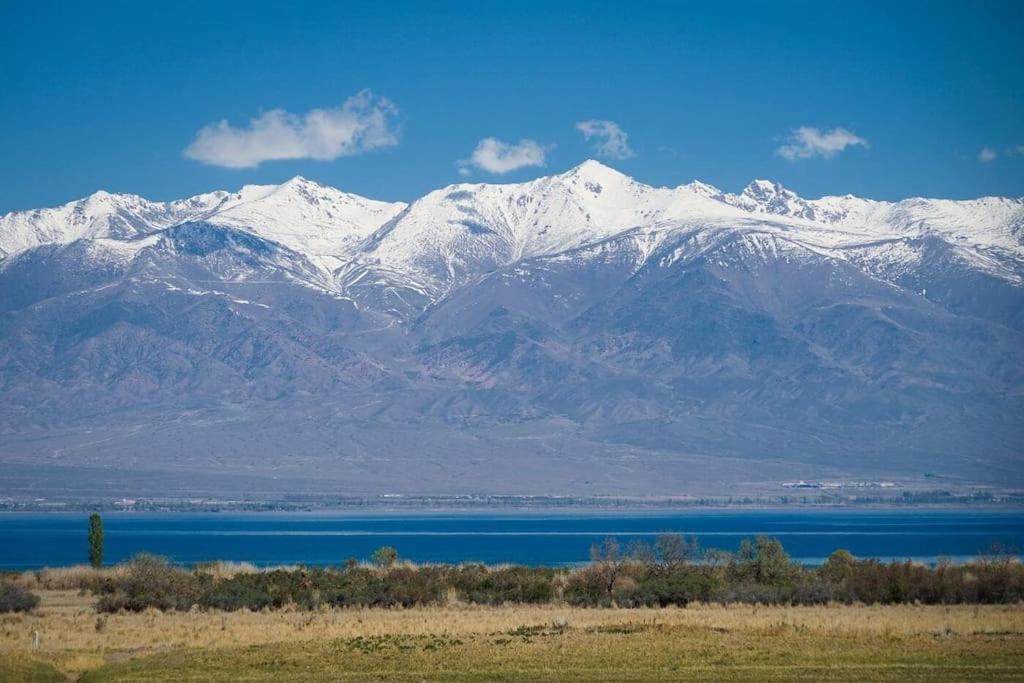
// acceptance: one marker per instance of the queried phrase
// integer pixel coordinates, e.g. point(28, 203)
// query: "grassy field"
point(542, 643)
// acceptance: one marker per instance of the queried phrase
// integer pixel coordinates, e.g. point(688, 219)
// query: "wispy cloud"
point(363, 122)
point(807, 142)
point(494, 156)
point(986, 155)
point(609, 140)
point(1016, 151)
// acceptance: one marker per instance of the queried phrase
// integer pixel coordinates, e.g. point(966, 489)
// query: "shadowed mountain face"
point(581, 334)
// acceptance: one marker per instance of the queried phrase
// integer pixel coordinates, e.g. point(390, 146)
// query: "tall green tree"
point(95, 540)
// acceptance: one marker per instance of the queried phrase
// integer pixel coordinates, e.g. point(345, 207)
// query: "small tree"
point(642, 552)
point(839, 566)
point(95, 540)
point(771, 563)
point(676, 550)
point(763, 561)
point(607, 562)
point(385, 557)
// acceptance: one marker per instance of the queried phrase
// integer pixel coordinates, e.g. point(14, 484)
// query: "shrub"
point(483, 585)
point(14, 598)
point(661, 589)
point(410, 587)
point(357, 587)
point(238, 592)
point(274, 588)
point(385, 556)
point(151, 581)
point(587, 587)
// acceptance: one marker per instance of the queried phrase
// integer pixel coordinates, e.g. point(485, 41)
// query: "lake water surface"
point(29, 540)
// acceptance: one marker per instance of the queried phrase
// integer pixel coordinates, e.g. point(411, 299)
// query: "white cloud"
point(363, 122)
point(986, 155)
point(609, 139)
point(495, 156)
point(1015, 151)
point(807, 142)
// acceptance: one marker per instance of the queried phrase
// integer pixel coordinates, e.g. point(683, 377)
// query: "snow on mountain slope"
point(320, 222)
point(765, 196)
point(100, 215)
point(986, 222)
point(411, 255)
point(462, 230)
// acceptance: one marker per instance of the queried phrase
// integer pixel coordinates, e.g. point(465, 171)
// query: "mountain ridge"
point(760, 196)
point(578, 333)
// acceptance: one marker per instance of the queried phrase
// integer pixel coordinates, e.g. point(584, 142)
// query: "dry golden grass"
point(73, 577)
point(66, 620)
point(225, 570)
point(79, 576)
point(77, 639)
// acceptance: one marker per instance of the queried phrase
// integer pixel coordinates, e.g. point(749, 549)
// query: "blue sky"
point(893, 98)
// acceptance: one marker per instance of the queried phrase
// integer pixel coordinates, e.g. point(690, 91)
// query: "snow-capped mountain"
point(100, 215)
point(321, 222)
point(461, 230)
point(578, 333)
point(987, 222)
point(456, 232)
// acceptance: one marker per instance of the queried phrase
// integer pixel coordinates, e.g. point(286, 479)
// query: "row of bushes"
point(670, 572)
point(762, 573)
point(152, 582)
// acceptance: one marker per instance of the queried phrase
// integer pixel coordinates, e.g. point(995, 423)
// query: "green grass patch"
point(633, 653)
point(19, 668)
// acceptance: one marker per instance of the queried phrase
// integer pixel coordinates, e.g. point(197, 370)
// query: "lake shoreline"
point(536, 538)
point(624, 508)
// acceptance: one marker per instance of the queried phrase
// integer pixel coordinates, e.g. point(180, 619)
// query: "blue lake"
point(36, 540)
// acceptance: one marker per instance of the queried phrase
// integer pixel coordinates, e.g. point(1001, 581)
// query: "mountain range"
point(578, 334)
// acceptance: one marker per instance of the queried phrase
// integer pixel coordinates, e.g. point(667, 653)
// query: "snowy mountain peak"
point(100, 215)
point(703, 189)
point(767, 189)
point(316, 220)
point(593, 175)
point(767, 196)
point(593, 169)
point(304, 186)
point(102, 196)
